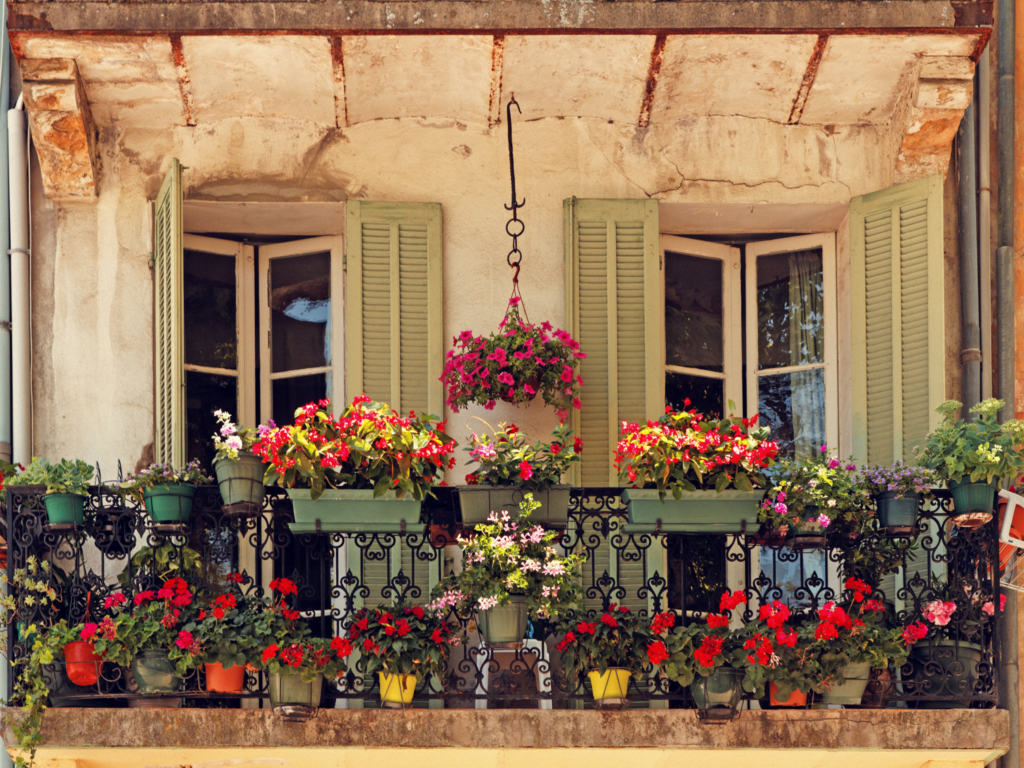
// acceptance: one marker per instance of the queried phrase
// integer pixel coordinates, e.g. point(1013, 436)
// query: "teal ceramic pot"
point(170, 504)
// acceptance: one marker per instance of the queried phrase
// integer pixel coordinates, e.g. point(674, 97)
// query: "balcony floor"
point(893, 738)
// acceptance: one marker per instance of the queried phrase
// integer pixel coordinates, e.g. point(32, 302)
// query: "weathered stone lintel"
point(891, 729)
point(62, 128)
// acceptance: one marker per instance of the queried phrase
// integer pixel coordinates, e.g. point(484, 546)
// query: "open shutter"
point(897, 319)
point(613, 309)
point(896, 298)
point(169, 328)
point(394, 340)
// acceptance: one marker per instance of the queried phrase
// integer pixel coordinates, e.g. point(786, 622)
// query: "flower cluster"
point(683, 451)
point(510, 556)
point(980, 450)
point(510, 460)
point(619, 639)
point(515, 364)
point(308, 658)
point(368, 447)
point(232, 438)
point(404, 639)
point(163, 476)
point(899, 479)
point(939, 612)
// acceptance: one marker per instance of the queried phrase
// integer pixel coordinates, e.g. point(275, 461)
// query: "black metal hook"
point(516, 205)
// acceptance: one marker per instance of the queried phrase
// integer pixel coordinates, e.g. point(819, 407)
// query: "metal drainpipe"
point(970, 353)
point(985, 223)
point(21, 353)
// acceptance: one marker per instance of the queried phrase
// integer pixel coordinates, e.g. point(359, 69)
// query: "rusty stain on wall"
point(808, 81)
point(497, 70)
point(184, 81)
point(340, 96)
point(657, 56)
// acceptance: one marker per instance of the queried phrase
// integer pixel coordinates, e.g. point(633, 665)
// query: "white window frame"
point(245, 313)
point(732, 336)
point(827, 243)
point(335, 245)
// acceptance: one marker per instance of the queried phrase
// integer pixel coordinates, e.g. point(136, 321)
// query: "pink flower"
point(89, 630)
point(989, 608)
point(514, 301)
point(834, 464)
point(506, 378)
point(529, 390)
point(939, 613)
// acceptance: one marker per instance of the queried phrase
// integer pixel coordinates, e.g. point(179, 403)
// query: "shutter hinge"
point(152, 260)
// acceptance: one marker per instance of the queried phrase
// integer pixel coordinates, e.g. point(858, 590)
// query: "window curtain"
point(807, 345)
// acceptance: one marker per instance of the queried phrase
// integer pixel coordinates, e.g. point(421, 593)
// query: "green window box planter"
point(351, 511)
point(478, 501)
point(64, 508)
point(241, 484)
point(170, 504)
point(730, 511)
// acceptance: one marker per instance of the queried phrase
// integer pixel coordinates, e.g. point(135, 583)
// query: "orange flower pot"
point(83, 665)
point(796, 698)
point(220, 680)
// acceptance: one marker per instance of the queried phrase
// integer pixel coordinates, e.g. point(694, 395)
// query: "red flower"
point(89, 630)
point(715, 621)
point(777, 613)
point(234, 577)
point(144, 597)
point(184, 639)
point(586, 629)
point(181, 600)
point(859, 589)
point(416, 611)
point(663, 622)
point(657, 652)
point(874, 605)
point(284, 586)
point(270, 652)
point(437, 636)
point(218, 613)
point(577, 445)
point(341, 647)
point(709, 649)
point(915, 632)
point(369, 646)
point(115, 600)
point(292, 655)
point(525, 470)
point(403, 627)
point(609, 620)
point(730, 601)
point(826, 631)
point(786, 637)
point(290, 615)
point(227, 602)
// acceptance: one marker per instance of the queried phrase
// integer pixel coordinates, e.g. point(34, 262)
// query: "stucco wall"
point(92, 287)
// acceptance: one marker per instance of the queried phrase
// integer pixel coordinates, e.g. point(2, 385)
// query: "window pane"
point(790, 309)
point(791, 573)
point(204, 394)
point(793, 405)
point(209, 287)
point(705, 395)
point(295, 392)
point(693, 312)
point(696, 573)
point(300, 311)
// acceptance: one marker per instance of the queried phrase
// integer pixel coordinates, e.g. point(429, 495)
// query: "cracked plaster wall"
point(92, 288)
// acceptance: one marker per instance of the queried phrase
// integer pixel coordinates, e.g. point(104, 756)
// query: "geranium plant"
point(684, 451)
point(368, 447)
point(402, 640)
point(225, 628)
point(963, 611)
point(900, 479)
point(618, 639)
point(163, 476)
point(508, 556)
point(510, 460)
point(308, 658)
point(981, 449)
point(515, 364)
point(816, 493)
point(232, 438)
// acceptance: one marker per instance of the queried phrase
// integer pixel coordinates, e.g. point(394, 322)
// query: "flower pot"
point(795, 698)
point(83, 665)
point(289, 695)
point(852, 691)
point(972, 503)
point(898, 517)
point(154, 673)
point(64, 508)
point(730, 511)
point(611, 687)
point(396, 690)
point(241, 484)
point(478, 501)
point(220, 680)
point(943, 670)
point(348, 511)
point(879, 690)
point(504, 624)
point(171, 504)
point(64, 693)
point(718, 695)
point(802, 535)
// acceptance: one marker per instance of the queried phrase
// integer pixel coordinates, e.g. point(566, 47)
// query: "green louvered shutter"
point(394, 340)
point(613, 308)
point(896, 298)
point(169, 328)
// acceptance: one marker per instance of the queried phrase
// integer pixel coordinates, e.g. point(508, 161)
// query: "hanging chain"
point(515, 226)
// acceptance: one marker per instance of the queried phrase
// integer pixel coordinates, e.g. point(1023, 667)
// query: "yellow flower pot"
point(613, 684)
point(397, 689)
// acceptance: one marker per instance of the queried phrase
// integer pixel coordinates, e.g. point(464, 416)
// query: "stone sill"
point(985, 733)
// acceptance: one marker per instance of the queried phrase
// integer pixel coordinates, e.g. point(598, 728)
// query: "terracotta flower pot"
point(796, 698)
point(220, 680)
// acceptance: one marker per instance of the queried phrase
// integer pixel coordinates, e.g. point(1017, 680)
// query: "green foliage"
point(683, 452)
point(511, 557)
point(510, 460)
point(403, 640)
point(66, 476)
point(164, 561)
point(29, 592)
point(369, 446)
point(619, 639)
point(162, 476)
point(981, 449)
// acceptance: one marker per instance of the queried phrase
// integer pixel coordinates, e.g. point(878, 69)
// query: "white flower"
point(831, 502)
point(234, 442)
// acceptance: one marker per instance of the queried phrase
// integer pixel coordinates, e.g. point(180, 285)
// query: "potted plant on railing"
point(897, 492)
point(67, 487)
point(166, 492)
point(225, 633)
point(404, 645)
point(612, 649)
point(955, 627)
point(509, 467)
point(714, 471)
point(367, 470)
point(515, 364)
point(511, 572)
point(812, 496)
point(239, 471)
point(154, 637)
point(972, 457)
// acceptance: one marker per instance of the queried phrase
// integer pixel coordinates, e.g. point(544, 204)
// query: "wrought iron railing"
point(645, 570)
